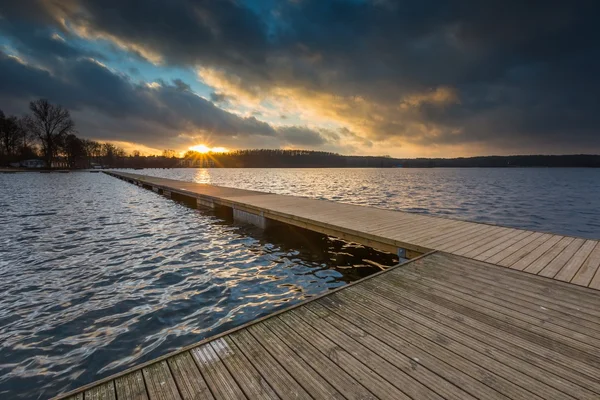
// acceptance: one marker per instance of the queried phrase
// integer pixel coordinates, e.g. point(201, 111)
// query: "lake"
point(99, 275)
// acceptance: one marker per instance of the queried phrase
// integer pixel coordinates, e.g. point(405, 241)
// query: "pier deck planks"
point(558, 257)
point(440, 326)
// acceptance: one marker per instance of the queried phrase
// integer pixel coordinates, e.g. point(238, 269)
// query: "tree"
point(9, 134)
point(75, 150)
point(169, 153)
point(93, 151)
point(50, 124)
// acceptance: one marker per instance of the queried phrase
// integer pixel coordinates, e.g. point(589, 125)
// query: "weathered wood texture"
point(438, 327)
point(558, 257)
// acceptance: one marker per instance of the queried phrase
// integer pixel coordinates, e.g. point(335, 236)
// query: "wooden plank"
point(452, 226)
point(514, 319)
point(595, 283)
point(524, 302)
point(159, 382)
point(477, 240)
point(189, 380)
point(344, 382)
point(515, 248)
point(105, 391)
point(546, 258)
point(587, 271)
point(367, 377)
point(131, 386)
point(461, 341)
point(245, 374)
point(502, 233)
point(564, 344)
point(532, 254)
point(78, 396)
point(461, 241)
point(462, 230)
point(580, 301)
point(397, 324)
point(385, 330)
point(402, 381)
point(499, 308)
point(303, 373)
point(515, 344)
point(500, 241)
point(561, 259)
point(397, 230)
point(273, 373)
point(405, 363)
point(219, 380)
point(436, 225)
point(435, 230)
point(524, 235)
point(401, 221)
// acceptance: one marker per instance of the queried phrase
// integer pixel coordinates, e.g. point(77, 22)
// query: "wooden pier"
point(438, 327)
point(563, 258)
point(500, 313)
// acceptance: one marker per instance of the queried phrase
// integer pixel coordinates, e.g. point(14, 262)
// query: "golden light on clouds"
point(365, 125)
point(130, 147)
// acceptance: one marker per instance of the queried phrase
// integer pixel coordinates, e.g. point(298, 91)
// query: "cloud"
point(170, 32)
point(421, 75)
point(109, 105)
point(303, 136)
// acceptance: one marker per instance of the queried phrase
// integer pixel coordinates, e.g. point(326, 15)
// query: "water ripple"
point(98, 275)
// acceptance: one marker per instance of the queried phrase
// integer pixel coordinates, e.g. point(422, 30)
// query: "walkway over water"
point(439, 326)
point(562, 258)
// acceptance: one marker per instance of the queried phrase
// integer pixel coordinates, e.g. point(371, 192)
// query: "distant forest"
point(318, 159)
point(265, 158)
point(575, 160)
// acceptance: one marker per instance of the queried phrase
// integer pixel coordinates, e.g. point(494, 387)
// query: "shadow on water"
point(352, 260)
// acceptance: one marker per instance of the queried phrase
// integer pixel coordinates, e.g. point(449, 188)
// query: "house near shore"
point(33, 163)
point(60, 162)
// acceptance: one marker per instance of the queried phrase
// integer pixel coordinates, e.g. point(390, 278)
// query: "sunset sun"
point(202, 148)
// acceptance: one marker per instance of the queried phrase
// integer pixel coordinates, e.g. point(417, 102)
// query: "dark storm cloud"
point(87, 84)
point(146, 113)
point(428, 72)
point(302, 136)
point(181, 31)
point(38, 42)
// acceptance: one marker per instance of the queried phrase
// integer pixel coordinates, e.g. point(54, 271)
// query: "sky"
point(428, 78)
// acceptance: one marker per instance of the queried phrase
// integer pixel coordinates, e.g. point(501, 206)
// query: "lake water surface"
point(98, 275)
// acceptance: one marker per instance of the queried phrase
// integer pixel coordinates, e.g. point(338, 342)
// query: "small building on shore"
point(33, 163)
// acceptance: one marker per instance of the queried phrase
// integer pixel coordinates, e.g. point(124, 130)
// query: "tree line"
point(280, 158)
point(48, 132)
point(522, 161)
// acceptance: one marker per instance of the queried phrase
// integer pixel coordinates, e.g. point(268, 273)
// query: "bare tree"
point(50, 124)
point(75, 151)
point(10, 137)
point(168, 153)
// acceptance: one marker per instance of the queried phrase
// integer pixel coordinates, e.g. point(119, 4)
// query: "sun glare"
point(202, 148)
